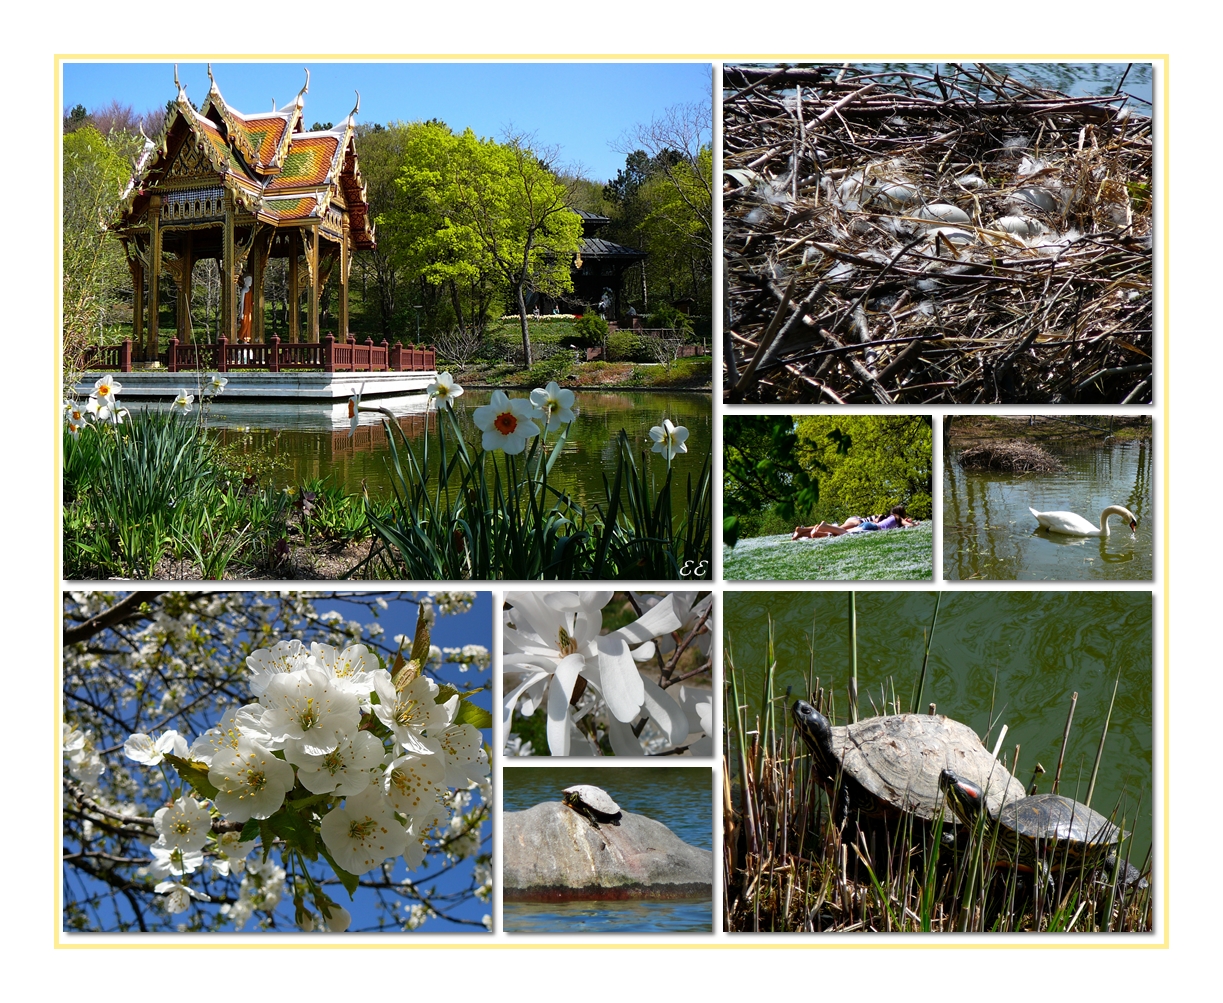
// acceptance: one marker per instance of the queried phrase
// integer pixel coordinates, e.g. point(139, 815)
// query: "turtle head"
point(966, 798)
point(816, 732)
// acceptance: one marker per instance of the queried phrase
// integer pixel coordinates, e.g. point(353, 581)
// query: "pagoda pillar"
point(345, 261)
point(186, 262)
point(229, 291)
point(312, 250)
point(137, 270)
point(294, 289)
point(153, 347)
point(263, 245)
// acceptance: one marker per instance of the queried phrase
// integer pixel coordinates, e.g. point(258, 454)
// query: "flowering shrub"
point(347, 767)
point(557, 658)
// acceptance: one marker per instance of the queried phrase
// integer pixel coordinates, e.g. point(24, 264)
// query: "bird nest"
point(1013, 457)
point(904, 237)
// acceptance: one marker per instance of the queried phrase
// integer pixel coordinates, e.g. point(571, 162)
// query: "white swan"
point(1075, 525)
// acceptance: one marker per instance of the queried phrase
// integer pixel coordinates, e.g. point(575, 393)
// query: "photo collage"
point(837, 381)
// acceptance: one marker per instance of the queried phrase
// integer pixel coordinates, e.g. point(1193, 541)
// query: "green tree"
point(868, 462)
point(96, 170)
point(501, 208)
point(762, 471)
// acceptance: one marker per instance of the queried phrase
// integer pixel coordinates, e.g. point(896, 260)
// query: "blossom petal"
point(621, 682)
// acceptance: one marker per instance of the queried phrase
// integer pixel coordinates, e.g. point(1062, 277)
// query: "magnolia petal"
point(660, 620)
point(665, 713)
point(558, 721)
point(511, 698)
point(621, 682)
point(623, 741)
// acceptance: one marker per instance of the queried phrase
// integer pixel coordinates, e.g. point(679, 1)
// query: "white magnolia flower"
point(669, 439)
point(142, 749)
point(363, 833)
point(552, 638)
point(309, 707)
point(506, 424)
point(345, 770)
point(413, 783)
point(443, 390)
point(183, 824)
point(250, 781)
point(216, 384)
point(555, 403)
point(414, 713)
point(182, 402)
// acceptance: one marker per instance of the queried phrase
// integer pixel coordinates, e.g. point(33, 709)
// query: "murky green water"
point(311, 440)
point(681, 798)
point(988, 532)
point(1023, 654)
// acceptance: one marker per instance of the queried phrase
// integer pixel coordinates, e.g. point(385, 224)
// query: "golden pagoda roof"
point(273, 168)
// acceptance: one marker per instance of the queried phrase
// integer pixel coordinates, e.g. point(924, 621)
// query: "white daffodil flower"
point(74, 415)
point(106, 390)
point(182, 403)
point(250, 781)
point(555, 404)
point(669, 439)
point(444, 390)
point(354, 410)
point(216, 384)
point(552, 638)
point(363, 833)
point(506, 424)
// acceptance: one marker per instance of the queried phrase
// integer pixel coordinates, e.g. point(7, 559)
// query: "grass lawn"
point(891, 555)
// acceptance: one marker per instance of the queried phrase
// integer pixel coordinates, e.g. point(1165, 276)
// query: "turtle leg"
point(842, 807)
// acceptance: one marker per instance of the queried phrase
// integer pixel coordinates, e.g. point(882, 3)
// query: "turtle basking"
point(884, 767)
point(1027, 827)
point(592, 802)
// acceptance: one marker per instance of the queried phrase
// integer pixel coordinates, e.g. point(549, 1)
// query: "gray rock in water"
point(551, 853)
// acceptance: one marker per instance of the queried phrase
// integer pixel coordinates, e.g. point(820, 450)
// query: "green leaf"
point(249, 831)
point(194, 773)
point(469, 713)
point(297, 833)
point(349, 881)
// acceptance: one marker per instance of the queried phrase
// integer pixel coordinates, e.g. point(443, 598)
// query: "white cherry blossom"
point(307, 706)
point(250, 781)
point(363, 833)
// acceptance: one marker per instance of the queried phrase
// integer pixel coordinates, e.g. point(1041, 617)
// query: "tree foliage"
point(763, 471)
point(149, 662)
point(869, 462)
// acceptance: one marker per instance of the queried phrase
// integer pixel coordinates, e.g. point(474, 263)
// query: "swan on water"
point(1072, 524)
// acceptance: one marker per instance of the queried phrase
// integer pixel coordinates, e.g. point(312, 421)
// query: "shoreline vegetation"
point(788, 866)
point(152, 496)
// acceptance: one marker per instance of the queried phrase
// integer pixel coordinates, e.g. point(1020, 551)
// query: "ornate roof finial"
point(356, 107)
point(177, 85)
point(305, 87)
point(211, 78)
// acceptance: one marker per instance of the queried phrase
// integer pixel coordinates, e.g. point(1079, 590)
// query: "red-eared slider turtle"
point(885, 766)
point(592, 802)
point(1043, 823)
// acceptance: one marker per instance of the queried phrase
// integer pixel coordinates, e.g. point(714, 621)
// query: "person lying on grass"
point(896, 519)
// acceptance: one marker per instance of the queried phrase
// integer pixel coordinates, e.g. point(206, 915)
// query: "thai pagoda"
point(217, 183)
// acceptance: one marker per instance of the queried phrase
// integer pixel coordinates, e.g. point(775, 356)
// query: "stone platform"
point(152, 385)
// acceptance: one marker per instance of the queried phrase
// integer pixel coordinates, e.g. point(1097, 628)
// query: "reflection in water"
point(1013, 658)
point(643, 916)
point(311, 440)
point(989, 533)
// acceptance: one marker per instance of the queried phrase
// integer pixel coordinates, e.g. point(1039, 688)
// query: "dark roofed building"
point(601, 264)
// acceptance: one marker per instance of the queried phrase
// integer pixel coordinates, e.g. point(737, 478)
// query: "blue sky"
point(583, 108)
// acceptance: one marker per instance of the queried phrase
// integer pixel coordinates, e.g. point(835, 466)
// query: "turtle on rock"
point(592, 802)
point(885, 767)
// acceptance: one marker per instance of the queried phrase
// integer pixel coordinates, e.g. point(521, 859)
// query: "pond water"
point(1013, 658)
point(681, 798)
point(1075, 79)
point(988, 532)
point(297, 442)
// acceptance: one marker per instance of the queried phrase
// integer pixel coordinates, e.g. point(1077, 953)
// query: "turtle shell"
point(1053, 817)
point(592, 797)
point(897, 761)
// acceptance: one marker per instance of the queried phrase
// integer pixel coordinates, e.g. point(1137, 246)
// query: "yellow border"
point(717, 941)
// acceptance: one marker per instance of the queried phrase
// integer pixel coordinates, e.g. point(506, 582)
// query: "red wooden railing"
point(328, 355)
point(109, 356)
